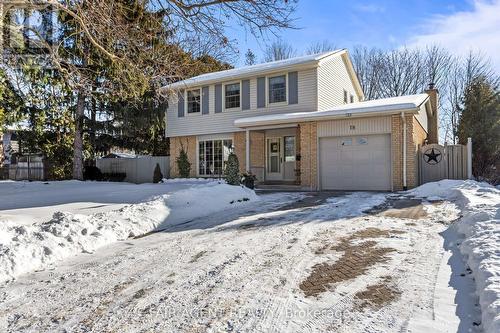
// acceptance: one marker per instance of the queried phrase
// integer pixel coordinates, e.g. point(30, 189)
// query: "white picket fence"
point(138, 169)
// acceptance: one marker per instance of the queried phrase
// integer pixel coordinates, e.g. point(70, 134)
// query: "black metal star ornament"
point(432, 157)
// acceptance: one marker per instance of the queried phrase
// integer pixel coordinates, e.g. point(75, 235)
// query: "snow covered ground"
point(88, 215)
point(289, 262)
point(480, 227)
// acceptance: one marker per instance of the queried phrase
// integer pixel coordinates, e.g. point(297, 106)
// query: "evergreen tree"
point(157, 175)
point(183, 164)
point(480, 120)
point(250, 58)
point(232, 170)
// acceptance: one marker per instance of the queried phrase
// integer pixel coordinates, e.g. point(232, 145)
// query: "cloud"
point(369, 8)
point(460, 32)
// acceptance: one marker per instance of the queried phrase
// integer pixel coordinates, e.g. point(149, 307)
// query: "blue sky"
point(390, 24)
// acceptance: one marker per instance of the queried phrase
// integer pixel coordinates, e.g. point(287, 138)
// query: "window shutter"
point(180, 104)
point(293, 88)
point(245, 97)
point(218, 98)
point(261, 92)
point(204, 100)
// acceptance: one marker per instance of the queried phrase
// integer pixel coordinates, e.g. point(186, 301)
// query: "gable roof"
point(254, 70)
point(377, 107)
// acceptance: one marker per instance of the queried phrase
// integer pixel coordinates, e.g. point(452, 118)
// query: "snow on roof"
point(373, 107)
point(253, 69)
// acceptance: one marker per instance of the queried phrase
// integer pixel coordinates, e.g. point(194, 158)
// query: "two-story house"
point(299, 121)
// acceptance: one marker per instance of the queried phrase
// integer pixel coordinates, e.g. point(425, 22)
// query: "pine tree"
point(183, 164)
point(157, 175)
point(250, 58)
point(232, 170)
point(480, 120)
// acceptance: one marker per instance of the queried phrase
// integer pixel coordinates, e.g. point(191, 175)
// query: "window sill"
point(233, 109)
point(285, 103)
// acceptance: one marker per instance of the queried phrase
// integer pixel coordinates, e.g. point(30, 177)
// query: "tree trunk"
point(93, 113)
point(78, 143)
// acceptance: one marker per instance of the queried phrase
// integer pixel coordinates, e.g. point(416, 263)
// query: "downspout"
point(403, 118)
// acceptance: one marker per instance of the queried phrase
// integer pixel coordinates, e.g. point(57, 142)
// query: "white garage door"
point(356, 162)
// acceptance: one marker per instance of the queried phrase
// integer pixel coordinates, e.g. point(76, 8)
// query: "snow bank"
point(25, 248)
point(480, 205)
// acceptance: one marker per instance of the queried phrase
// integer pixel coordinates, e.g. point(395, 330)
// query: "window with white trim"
point(352, 98)
point(277, 89)
point(346, 97)
point(194, 101)
point(212, 156)
point(232, 95)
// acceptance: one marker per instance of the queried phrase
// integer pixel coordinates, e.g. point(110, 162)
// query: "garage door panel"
point(362, 164)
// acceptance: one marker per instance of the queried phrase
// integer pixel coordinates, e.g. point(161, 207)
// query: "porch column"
point(247, 151)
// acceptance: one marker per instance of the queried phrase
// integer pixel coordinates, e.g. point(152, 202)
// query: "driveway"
point(293, 262)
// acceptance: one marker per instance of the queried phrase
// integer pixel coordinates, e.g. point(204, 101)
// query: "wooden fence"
point(139, 169)
point(27, 168)
point(438, 162)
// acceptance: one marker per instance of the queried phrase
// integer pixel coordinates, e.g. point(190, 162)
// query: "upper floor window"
point(346, 96)
point(277, 89)
point(232, 95)
point(352, 99)
point(193, 101)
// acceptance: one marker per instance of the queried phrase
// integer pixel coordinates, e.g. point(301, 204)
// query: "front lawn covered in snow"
point(42, 223)
point(425, 260)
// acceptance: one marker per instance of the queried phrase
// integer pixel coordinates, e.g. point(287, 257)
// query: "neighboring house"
point(9, 146)
point(299, 121)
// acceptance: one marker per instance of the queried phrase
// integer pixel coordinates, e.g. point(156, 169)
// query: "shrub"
point(114, 177)
point(232, 170)
point(157, 175)
point(183, 164)
point(92, 173)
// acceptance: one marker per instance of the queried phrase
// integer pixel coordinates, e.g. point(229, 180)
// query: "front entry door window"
point(274, 159)
point(274, 155)
point(289, 165)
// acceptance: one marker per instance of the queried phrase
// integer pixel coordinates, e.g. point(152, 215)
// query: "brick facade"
point(189, 145)
point(433, 125)
point(239, 143)
point(258, 151)
point(306, 148)
point(309, 156)
point(415, 136)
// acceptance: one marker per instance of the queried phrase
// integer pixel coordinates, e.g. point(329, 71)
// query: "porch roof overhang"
point(373, 108)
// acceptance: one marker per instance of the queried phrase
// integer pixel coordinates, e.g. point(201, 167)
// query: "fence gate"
point(438, 162)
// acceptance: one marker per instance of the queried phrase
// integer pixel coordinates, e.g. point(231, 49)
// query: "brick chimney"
point(433, 136)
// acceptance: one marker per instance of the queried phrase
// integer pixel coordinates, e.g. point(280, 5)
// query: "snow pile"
point(25, 248)
point(480, 205)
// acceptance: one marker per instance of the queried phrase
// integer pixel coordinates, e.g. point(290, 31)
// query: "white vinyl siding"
point(224, 122)
point(354, 126)
point(333, 80)
point(422, 118)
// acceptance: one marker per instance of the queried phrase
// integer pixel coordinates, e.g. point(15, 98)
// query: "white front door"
point(274, 161)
